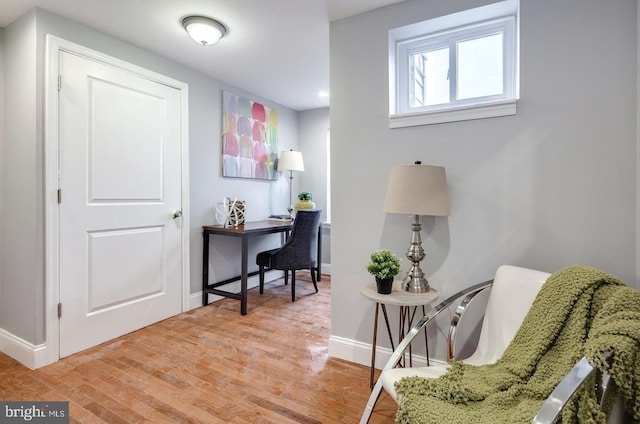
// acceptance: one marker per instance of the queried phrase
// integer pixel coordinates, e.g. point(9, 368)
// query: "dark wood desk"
point(246, 231)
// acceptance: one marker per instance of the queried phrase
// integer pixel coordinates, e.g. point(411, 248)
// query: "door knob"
point(177, 214)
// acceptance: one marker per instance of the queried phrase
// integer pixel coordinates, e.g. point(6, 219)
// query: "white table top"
point(398, 295)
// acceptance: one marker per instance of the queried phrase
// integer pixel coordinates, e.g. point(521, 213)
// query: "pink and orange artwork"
point(249, 138)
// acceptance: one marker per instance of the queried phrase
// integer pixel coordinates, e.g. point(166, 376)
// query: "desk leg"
point(319, 257)
point(244, 276)
point(205, 268)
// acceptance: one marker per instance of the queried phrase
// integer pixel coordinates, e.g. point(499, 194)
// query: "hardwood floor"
point(212, 365)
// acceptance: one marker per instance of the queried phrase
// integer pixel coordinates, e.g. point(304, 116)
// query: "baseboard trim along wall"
point(29, 355)
point(360, 353)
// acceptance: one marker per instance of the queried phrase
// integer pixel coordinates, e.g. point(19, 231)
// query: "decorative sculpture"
point(230, 212)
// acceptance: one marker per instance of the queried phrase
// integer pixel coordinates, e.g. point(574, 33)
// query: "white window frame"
point(446, 31)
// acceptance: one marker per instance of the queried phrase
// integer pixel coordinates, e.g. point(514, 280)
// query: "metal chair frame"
point(468, 293)
point(550, 410)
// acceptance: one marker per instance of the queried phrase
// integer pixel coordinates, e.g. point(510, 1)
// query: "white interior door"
point(120, 257)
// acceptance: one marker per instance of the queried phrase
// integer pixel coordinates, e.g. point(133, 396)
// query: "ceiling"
point(277, 49)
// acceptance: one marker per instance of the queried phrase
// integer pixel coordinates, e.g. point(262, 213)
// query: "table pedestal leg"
point(406, 318)
point(426, 340)
point(408, 308)
point(375, 338)
point(373, 346)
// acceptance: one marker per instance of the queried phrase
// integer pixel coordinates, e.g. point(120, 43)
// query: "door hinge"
point(59, 82)
point(59, 310)
point(59, 195)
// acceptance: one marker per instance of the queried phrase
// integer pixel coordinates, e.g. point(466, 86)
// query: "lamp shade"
point(204, 30)
point(290, 160)
point(417, 190)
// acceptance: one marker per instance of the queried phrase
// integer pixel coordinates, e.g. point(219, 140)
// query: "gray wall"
point(22, 231)
point(637, 150)
point(314, 128)
point(22, 267)
point(553, 186)
point(1, 146)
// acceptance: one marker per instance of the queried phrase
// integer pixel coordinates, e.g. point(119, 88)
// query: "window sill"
point(463, 113)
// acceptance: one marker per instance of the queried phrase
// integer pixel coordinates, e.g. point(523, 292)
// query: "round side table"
point(405, 300)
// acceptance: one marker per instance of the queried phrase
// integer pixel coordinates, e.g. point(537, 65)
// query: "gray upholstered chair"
point(300, 251)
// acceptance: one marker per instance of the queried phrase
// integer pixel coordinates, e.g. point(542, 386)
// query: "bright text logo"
point(34, 412)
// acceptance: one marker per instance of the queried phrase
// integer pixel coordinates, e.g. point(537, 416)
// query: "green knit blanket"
point(578, 311)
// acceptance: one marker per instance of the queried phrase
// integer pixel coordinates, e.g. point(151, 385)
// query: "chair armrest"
point(457, 316)
point(564, 391)
point(552, 407)
point(419, 326)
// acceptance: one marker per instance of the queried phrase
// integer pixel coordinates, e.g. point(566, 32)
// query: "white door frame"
point(50, 351)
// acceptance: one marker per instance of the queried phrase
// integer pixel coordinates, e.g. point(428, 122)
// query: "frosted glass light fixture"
point(204, 30)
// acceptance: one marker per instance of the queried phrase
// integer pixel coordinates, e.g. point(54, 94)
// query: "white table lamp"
point(417, 190)
point(290, 160)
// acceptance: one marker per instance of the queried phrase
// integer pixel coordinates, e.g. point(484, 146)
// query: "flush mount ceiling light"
point(204, 30)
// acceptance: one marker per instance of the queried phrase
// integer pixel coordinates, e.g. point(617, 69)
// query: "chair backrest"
point(300, 251)
point(513, 292)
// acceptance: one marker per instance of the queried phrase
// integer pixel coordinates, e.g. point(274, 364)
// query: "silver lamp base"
point(415, 282)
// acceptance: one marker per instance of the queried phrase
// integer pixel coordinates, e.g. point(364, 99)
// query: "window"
point(456, 67)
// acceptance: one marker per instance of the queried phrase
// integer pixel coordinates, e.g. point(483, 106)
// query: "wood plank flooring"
point(212, 365)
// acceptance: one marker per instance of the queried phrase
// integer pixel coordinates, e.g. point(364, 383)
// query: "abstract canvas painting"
point(249, 138)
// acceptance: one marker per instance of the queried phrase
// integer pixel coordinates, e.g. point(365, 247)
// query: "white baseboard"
point(360, 353)
point(29, 355)
point(326, 269)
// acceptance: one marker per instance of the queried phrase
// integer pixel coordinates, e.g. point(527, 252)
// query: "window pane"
point(480, 67)
point(418, 93)
point(418, 79)
point(436, 78)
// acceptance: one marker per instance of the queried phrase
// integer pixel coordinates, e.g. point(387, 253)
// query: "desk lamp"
point(290, 161)
point(417, 190)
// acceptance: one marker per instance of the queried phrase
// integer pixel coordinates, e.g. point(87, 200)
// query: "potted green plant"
point(384, 266)
point(304, 201)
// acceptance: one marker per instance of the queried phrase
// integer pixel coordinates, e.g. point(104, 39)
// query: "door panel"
point(124, 266)
point(136, 175)
point(120, 176)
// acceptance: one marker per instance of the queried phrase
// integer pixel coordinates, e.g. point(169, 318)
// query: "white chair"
point(513, 291)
